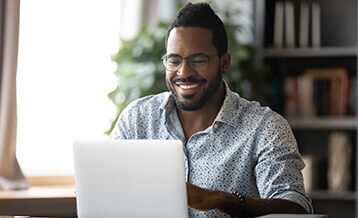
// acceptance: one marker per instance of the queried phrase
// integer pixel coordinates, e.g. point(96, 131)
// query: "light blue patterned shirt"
point(248, 149)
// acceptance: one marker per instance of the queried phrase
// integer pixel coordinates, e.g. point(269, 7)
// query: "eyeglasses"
point(198, 62)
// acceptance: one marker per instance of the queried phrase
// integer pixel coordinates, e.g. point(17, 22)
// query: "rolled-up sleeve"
point(279, 164)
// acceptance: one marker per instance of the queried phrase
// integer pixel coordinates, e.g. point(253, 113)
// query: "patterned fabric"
point(248, 149)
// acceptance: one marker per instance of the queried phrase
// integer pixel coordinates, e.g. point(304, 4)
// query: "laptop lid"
point(130, 178)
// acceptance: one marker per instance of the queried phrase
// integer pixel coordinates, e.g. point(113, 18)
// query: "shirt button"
point(216, 126)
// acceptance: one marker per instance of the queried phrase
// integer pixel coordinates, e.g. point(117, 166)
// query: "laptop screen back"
point(130, 178)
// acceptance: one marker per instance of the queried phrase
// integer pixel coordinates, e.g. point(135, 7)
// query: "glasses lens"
point(172, 63)
point(198, 62)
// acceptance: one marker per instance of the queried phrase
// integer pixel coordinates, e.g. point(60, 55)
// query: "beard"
point(213, 87)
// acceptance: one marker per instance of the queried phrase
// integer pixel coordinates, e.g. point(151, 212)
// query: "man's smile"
point(191, 86)
point(188, 88)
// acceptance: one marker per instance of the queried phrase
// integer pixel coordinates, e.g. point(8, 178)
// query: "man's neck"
point(199, 120)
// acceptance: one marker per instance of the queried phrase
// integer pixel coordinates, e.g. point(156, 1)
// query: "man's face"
point(191, 88)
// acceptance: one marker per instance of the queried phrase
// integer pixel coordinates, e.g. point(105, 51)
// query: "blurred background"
point(81, 62)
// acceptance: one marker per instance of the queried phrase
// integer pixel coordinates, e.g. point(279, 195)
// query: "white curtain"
point(138, 13)
point(11, 176)
point(135, 14)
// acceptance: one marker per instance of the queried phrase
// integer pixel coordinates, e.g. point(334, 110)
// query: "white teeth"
point(188, 86)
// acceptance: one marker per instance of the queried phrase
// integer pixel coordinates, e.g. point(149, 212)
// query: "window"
point(64, 75)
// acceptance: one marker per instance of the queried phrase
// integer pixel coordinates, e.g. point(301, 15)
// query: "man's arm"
point(205, 200)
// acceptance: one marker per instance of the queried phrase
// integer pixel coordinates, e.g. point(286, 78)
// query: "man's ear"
point(225, 62)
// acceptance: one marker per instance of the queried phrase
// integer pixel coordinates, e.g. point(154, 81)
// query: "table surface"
point(294, 216)
point(60, 201)
point(47, 201)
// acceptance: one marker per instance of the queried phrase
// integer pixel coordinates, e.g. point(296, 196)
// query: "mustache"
point(189, 79)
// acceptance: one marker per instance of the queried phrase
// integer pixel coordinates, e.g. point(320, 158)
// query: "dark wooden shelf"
point(332, 195)
point(337, 51)
point(324, 123)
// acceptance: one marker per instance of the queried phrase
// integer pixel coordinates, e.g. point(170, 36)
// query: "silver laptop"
point(130, 178)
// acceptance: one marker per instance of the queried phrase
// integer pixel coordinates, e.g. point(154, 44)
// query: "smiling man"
point(192, 90)
point(241, 159)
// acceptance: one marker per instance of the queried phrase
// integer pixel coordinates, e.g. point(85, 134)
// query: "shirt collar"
point(168, 103)
point(228, 111)
point(167, 106)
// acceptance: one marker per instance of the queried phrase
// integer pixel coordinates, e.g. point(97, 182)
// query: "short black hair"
point(201, 15)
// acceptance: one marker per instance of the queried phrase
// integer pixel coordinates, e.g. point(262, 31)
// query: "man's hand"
point(200, 199)
point(205, 200)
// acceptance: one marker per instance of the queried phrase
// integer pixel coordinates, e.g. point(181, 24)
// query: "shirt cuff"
point(298, 198)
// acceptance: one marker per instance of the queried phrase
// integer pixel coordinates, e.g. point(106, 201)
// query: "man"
point(231, 145)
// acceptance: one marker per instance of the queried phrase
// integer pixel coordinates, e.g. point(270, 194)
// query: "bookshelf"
point(338, 48)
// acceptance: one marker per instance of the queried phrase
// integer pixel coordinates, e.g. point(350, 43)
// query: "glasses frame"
point(189, 58)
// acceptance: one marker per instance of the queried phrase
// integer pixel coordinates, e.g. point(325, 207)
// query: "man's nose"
point(185, 69)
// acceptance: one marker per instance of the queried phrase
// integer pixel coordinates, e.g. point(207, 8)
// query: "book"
point(316, 25)
point(290, 97)
point(340, 155)
point(343, 95)
point(315, 172)
point(304, 25)
point(352, 99)
point(305, 101)
point(278, 25)
point(321, 101)
point(316, 96)
point(289, 24)
point(334, 96)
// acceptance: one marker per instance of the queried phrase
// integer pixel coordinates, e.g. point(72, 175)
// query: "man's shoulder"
point(264, 117)
point(254, 111)
point(246, 107)
point(255, 107)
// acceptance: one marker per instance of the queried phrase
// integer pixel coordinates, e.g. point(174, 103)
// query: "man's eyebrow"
point(176, 55)
point(173, 55)
point(199, 54)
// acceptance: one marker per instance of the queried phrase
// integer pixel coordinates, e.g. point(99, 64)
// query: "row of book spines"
point(320, 93)
point(284, 24)
point(330, 96)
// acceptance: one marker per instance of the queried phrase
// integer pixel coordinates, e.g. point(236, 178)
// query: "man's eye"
point(174, 62)
point(199, 63)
